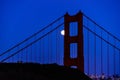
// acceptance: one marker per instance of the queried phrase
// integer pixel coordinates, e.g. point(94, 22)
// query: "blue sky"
point(21, 18)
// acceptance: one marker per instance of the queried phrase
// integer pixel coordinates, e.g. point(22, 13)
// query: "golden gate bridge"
point(85, 45)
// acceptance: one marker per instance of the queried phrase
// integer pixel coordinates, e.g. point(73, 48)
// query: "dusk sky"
point(21, 18)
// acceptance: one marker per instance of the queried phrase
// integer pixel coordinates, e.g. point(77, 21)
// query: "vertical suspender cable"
point(43, 52)
point(95, 53)
point(26, 53)
point(59, 48)
point(31, 53)
point(18, 54)
point(101, 55)
point(119, 61)
point(88, 46)
point(114, 57)
point(21, 55)
point(34, 51)
point(40, 52)
point(49, 46)
point(108, 55)
point(37, 52)
point(56, 47)
point(12, 59)
point(26, 59)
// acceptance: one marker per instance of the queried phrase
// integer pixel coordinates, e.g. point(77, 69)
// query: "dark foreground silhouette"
point(30, 71)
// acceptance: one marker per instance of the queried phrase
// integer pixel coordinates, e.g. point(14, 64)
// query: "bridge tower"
point(78, 39)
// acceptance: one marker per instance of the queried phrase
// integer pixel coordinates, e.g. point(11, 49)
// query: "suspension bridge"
point(85, 45)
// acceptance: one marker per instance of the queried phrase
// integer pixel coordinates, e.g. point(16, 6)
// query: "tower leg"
point(79, 60)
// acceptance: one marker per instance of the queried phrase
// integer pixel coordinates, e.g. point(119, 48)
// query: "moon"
point(63, 32)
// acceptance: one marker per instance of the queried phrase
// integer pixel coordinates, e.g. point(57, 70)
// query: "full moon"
point(63, 32)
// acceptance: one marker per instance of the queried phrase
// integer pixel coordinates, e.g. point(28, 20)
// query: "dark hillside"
point(30, 71)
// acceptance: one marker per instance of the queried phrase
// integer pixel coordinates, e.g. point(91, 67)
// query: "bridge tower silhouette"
point(97, 50)
point(77, 39)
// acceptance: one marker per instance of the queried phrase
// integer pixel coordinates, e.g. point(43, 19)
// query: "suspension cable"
point(101, 27)
point(32, 42)
point(31, 36)
point(102, 38)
